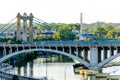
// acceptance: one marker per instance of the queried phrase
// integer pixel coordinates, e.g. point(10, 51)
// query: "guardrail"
point(8, 76)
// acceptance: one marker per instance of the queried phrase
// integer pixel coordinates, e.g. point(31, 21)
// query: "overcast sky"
point(62, 11)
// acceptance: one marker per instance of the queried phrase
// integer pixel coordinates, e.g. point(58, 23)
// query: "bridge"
point(94, 55)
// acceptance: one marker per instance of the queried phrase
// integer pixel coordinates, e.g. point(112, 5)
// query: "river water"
point(114, 70)
point(55, 71)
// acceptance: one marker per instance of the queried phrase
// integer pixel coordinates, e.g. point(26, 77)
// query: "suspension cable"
point(7, 24)
point(38, 23)
point(42, 23)
point(40, 20)
point(8, 27)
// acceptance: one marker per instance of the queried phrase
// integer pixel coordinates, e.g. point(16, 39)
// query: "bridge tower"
point(31, 27)
point(25, 18)
point(18, 27)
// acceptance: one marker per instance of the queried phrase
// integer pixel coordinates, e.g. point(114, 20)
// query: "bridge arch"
point(47, 50)
point(108, 60)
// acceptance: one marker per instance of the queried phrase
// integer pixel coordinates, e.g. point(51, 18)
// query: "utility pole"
point(81, 22)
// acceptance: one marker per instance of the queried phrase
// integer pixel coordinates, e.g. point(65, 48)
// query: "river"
point(55, 70)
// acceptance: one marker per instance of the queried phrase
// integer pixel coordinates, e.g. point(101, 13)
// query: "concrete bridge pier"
point(80, 52)
point(105, 52)
point(116, 50)
point(87, 54)
point(100, 54)
point(93, 58)
point(83, 54)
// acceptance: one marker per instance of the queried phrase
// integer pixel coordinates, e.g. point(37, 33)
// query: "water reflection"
point(114, 70)
point(55, 71)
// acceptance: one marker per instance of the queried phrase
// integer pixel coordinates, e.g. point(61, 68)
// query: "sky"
point(62, 11)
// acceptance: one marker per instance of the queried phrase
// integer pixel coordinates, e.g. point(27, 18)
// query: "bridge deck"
point(63, 43)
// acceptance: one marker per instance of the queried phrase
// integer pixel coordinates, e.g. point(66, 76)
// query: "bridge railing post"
point(63, 49)
point(83, 54)
point(103, 57)
point(10, 49)
point(110, 51)
point(4, 53)
point(69, 49)
point(77, 50)
point(16, 48)
point(116, 50)
point(36, 46)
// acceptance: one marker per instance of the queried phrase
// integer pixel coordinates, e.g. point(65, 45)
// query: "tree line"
point(67, 32)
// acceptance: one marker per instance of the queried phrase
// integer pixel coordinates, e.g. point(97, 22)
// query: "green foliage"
point(19, 41)
point(107, 31)
point(56, 36)
point(15, 77)
point(65, 31)
point(99, 31)
point(65, 27)
point(64, 35)
point(30, 56)
point(22, 59)
point(9, 42)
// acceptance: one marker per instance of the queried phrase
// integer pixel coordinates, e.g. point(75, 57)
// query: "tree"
point(99, 31)
point(9, 41)
point(111, 33)
point(85, 28)
point(56, 36)
point(64, 35)
point(15, 77)
point(65, 27)
point(108, 27)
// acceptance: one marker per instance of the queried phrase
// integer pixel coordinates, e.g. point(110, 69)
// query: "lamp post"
point(91, 76)
point(65, 72)
point(109, 77)
point(46, 64)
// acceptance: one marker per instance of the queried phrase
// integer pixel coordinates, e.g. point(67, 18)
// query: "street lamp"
point(65, 72)
point(109, 77)
point(46, 63)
